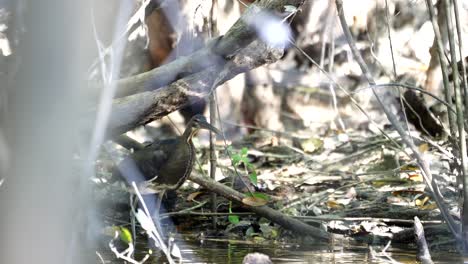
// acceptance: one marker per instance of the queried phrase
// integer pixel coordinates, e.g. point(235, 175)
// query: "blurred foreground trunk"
point(42, 219)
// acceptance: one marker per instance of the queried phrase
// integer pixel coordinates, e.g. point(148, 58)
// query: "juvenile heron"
point(164, 165)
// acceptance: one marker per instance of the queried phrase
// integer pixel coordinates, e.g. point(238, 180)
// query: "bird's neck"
point(188, 134)
point(185, 153)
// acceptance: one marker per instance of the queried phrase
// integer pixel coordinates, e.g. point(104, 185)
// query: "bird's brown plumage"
point(165, 164)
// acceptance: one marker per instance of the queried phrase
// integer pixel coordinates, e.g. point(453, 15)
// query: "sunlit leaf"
point(424, 147)
point(421, 202)
point(253, 178)
point(312, 145)
point(236, 159)
point(417, 177)
point(125, 235)
point(244, 151)
point(256, 199)
point(418, 202)
point(233, 219)
point(191, 197)
point(430, 206)
point(261, 196)
point(335, 205)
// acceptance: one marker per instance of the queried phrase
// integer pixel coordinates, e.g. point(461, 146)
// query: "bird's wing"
point(144, 165)
point(163, 143)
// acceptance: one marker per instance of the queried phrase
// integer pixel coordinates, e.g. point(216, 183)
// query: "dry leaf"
point(254, 201)
point(191, 197)
point(424, 147)
point(421, 202)
point(311, 145)
point(335, 205)
point(417, 177)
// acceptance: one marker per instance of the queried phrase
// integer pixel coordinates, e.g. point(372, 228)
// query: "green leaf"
point(268, 231)
point(236, 159)
point(258, 239)
point(233, 219)
point(246, 161)
point(253, 178)
point(244, 151)
point(255, 199)
point(125, 235)
point(260, 195)
point(251, 232)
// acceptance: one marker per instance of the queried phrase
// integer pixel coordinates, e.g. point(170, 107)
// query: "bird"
point(165, 164)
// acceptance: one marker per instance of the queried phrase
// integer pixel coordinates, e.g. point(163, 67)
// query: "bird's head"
point(199, 122)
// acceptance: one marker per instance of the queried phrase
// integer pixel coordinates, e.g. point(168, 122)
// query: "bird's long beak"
point(206, 125)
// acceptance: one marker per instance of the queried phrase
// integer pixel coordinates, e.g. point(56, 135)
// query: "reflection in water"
point(233, 252)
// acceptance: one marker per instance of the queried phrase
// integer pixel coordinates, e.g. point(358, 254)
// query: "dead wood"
point(139, 109)
point(423, 250)
point(277, 217)
point(219, 61)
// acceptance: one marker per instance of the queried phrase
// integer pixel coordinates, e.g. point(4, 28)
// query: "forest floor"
point(357, 185)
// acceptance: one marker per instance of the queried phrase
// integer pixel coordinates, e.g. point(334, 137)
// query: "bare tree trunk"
point(42, 197)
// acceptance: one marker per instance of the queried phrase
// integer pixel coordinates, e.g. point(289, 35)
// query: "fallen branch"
point(279, 218)
point(239, 36)
point(423, 250)
point(139, 109)
point(285, 221)
point(156, 93)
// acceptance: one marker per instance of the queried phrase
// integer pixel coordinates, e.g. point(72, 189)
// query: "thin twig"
point(460, 123)
point(441, 55)
point(423, 250)
point(426, 172)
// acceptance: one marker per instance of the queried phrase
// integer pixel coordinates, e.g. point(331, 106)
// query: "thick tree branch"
point(149, 95)
point(139, 109)
point(223, 48)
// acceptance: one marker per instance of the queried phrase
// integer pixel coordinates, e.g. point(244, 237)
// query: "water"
point(232, 252)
